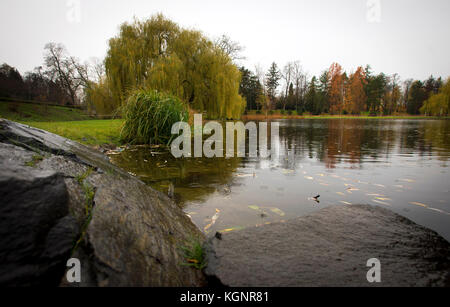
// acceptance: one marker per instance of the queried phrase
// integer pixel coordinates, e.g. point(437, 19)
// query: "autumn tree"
point(336, 89)
point(355, 96)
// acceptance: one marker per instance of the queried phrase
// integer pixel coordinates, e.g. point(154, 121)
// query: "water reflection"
point(392, 163)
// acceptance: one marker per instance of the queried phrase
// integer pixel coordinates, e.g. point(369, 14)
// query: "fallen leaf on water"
point(380, 202)
point(407, 180)
point(438, 210)
point(244, 175)
point(374, 195)
point(277, 211)
point(213, 220)
point(232, 229)
point(379, 185)
point(340, 193)
point(418, 204)
point(383, 198)
point(287, 171)
point(254, 207)
point(345, 202)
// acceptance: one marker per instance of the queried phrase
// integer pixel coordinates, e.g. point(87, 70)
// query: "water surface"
point(397, 164)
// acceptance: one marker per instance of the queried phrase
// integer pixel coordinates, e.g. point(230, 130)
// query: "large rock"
point(331, 248)
point(36, 230)
point(74, 203)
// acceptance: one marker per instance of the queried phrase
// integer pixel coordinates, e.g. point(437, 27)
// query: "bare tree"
point(299, 78)
point(231, 48)
point(61, 69)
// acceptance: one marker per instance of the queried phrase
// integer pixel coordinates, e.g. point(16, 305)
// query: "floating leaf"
point(340, 193)
point(418, 204)
point(254, 207)
point(383, 198)
point(277, 211)
point(438, 210)
point(345, 202)
point(379, 185)
point(407, 180)
point(380, 202)
point(244, 175)
point(232, 229)
point(352, 189)
point(213, 220)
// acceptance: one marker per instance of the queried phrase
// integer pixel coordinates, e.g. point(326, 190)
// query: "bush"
point(149, 116)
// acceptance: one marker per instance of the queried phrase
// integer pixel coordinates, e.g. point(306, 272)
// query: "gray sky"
point(394, 36)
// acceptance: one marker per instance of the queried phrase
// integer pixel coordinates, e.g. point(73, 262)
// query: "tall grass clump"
point(149, 116)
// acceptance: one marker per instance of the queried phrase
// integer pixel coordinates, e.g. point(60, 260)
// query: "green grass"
point(88, 132)
point(70, 123)
point(194, 254)
point(149, 116)
point(21, 112)
point(34, 160)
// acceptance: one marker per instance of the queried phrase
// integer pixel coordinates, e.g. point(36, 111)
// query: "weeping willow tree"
point(157, 54)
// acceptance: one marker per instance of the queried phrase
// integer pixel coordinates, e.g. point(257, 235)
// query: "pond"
point(401, 165)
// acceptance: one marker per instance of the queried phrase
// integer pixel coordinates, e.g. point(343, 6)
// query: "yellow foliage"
point(157, 54)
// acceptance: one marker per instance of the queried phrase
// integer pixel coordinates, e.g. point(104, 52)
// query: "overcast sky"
point(408, 37)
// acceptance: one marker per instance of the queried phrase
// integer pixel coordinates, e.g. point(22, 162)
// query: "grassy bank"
point(70, 123)
point(88, 132)
point(21, 112)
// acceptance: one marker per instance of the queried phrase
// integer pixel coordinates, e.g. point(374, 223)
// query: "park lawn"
point(20, 112)
point(88, 132)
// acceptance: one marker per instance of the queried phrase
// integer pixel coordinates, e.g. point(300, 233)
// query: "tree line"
point(158, 54)
point(62, 79)
point(338, 92)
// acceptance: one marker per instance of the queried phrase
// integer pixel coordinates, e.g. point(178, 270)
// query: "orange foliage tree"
point(355, 97)
point(336, 89)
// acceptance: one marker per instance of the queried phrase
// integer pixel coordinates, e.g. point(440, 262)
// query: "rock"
point(36, 232)
point(73, 203)
point(331, 248)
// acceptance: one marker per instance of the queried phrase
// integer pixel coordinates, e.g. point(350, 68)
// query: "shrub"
point(149, 116)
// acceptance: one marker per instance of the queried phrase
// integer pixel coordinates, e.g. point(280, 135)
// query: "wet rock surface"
point(60, 199)
point(331, 248)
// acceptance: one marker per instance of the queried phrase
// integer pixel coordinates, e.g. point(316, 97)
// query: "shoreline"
point(393, 117)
